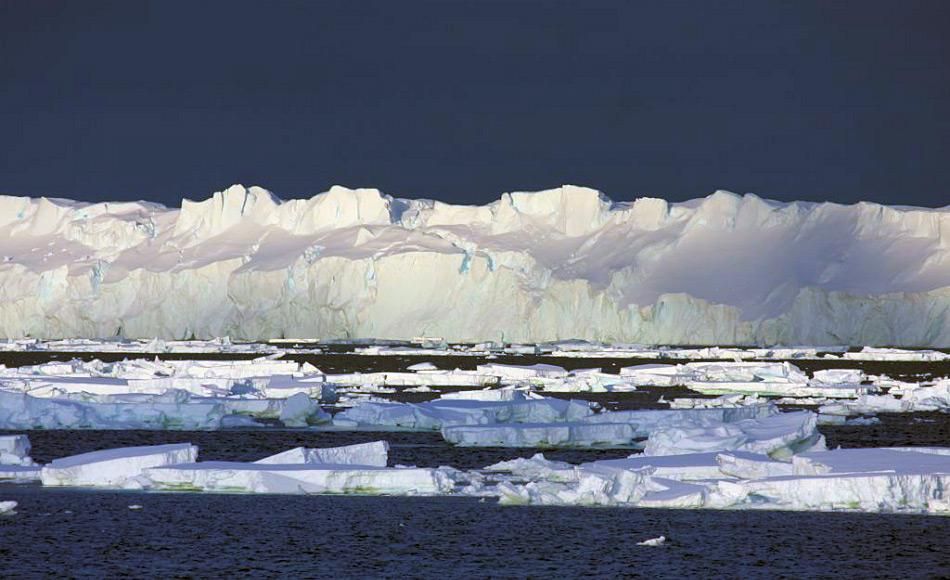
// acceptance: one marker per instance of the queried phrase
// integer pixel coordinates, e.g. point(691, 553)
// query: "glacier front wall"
point(556, 264)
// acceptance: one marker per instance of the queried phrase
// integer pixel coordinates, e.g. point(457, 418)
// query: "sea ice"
point(541, 435)
point(300, 478)
point(114, 467)
point(375, 454)
point(15, 450)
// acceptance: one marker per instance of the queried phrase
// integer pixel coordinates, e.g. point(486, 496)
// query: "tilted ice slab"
point(114, 467)
point(300, 478)
point(530, 267)
point(440, 413)
point(374, 454)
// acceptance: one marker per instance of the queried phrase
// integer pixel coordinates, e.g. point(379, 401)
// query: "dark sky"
point(462, 101)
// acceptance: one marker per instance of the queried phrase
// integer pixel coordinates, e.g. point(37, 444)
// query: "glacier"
point(565, 263)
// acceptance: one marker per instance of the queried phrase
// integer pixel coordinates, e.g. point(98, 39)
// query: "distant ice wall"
point(562, 263)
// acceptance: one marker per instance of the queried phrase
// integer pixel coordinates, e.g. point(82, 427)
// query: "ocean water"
point(94, 534)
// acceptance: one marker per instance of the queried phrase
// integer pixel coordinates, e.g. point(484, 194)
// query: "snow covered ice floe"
point(779, 435)
point(7, 508)
point(22, 411)
point(913, 398)
point(754, 378)
point(878, 480)
point(375, 454)
point(352, 469)
point(116, 468)
point(437, 414)
point(15, 450)
point(301, 478)
point(571, 434)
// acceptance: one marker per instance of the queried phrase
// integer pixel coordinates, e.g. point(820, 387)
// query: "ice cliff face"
point(563, 263)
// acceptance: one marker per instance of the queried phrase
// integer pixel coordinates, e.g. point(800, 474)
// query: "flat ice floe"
point(117, 468)
point(541, 435)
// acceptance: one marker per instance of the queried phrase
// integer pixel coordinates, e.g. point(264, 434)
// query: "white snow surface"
point(556, 264)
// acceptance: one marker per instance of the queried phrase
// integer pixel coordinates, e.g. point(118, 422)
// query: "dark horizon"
point(462, 101)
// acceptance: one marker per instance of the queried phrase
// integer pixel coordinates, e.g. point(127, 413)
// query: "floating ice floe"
point(7, 508)
point(300, 478)
point(216, 345)
point(140, 394)
point(15, 450)
point(353, 469)
point(115, 468)
point(879, 480)
point(896, 354)
point(375, 454)
point(723, 401)
point(16, 466)
point(541, 435)
point(779, 435)
point(912, 399)
point(22, 411)
point(440, 413)
point(755, 378)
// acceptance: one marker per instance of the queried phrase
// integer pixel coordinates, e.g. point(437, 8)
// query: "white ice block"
point(375, 454)
point(222, 476)
point(541, 435)
point(114, 467)
point(15, 450)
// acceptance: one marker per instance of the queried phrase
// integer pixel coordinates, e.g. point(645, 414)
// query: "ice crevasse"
point(555, 264)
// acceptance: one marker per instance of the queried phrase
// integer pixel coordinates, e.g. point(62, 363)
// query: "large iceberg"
point(530, 267)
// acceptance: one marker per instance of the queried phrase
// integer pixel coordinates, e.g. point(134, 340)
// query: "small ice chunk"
point(7, 508)
point(653, 541)
point(15, 450)
point(423, 366)
point(300, 410)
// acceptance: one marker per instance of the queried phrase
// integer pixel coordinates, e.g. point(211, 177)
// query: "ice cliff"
point(556, 264)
